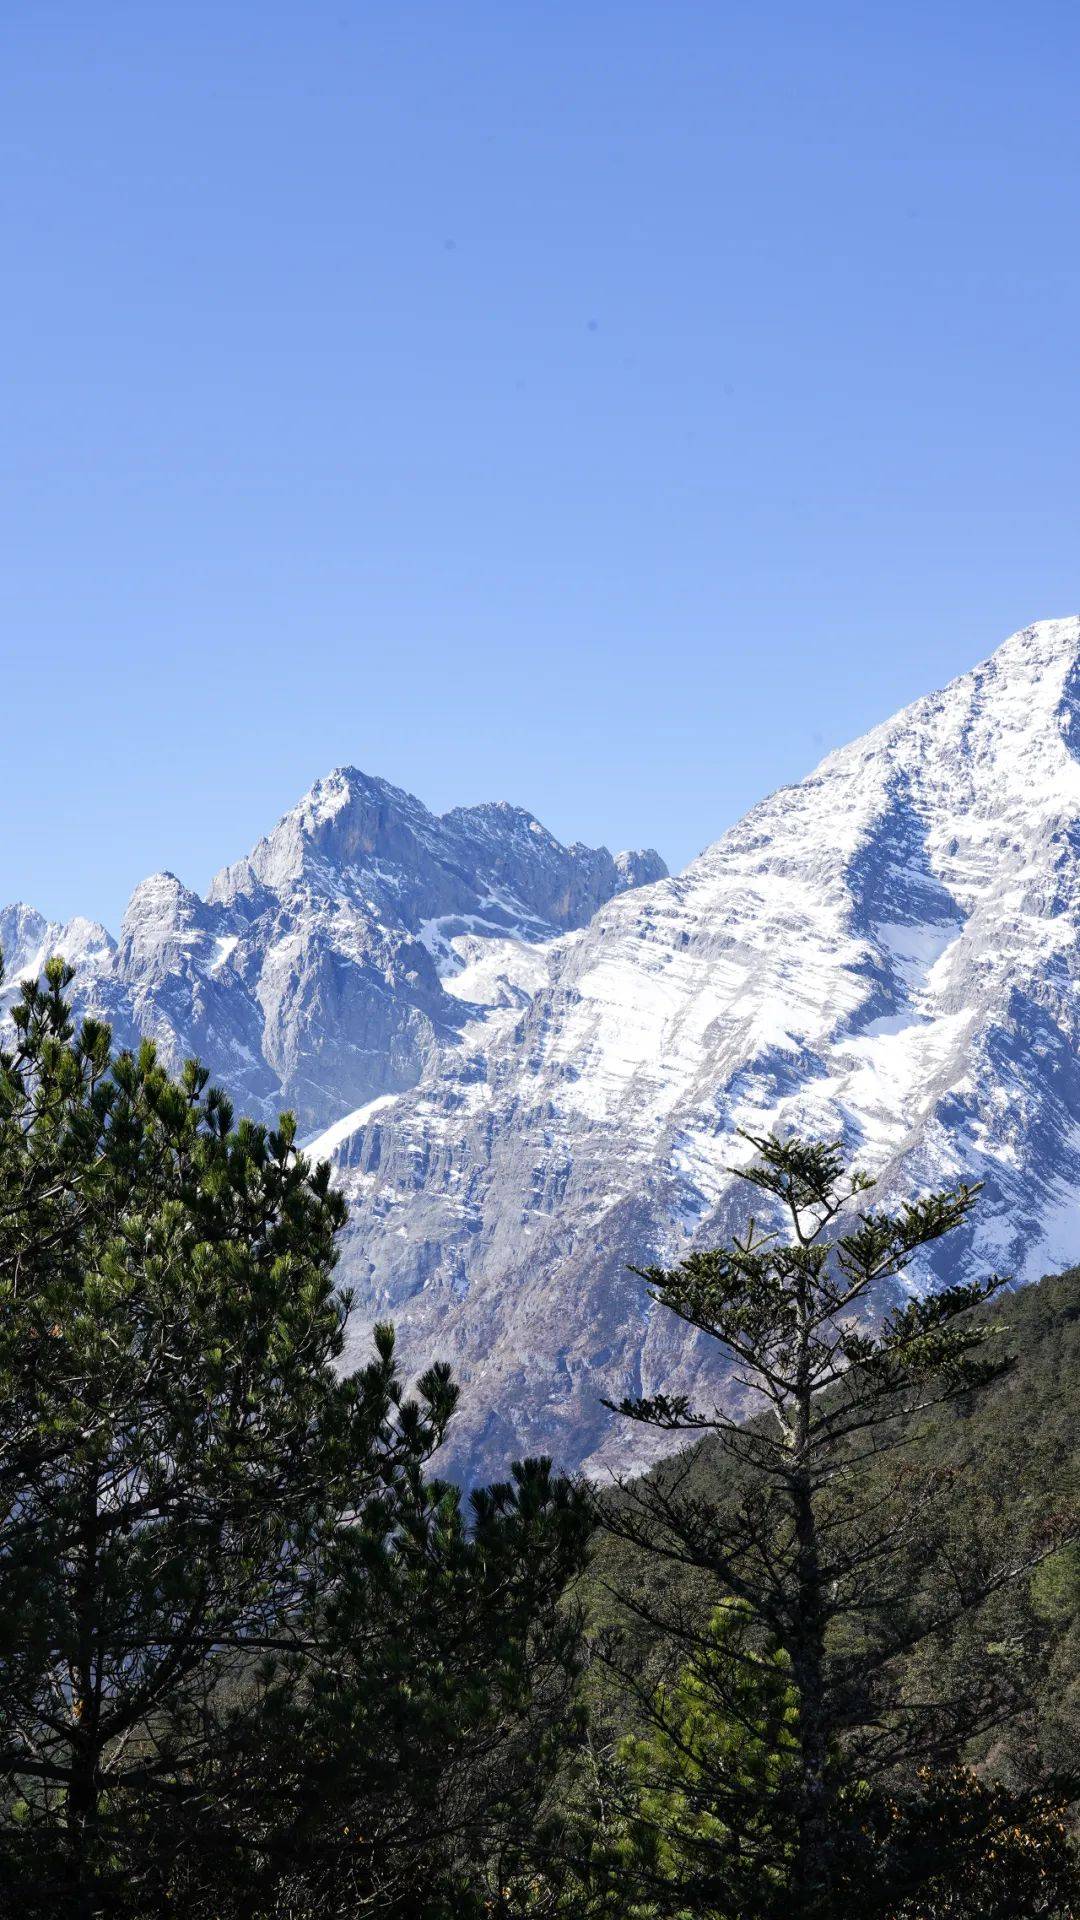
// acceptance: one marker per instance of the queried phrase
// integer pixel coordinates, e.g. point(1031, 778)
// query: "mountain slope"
point(888, 950)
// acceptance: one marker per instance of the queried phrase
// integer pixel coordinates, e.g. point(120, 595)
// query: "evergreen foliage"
point(224, 1579)
point(846, 1554)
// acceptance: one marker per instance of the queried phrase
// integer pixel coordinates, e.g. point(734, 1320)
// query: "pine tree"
point(222, 1566)
point(850, 1563)
point(409, 1774)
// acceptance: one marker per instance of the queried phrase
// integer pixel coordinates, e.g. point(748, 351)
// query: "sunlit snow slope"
point(888, 950)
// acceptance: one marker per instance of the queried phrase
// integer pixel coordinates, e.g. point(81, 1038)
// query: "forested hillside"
point(1019, 1442)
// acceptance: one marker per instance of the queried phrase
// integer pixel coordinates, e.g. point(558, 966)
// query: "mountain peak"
point(887, 951)
point(349, 786)
point(1043, 640)
point(161, 897)
point(322, 971)
point(999, 741)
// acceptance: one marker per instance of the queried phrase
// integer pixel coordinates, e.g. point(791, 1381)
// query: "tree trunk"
point(813, 1870)
point(82, 1795)
point(814, 1857)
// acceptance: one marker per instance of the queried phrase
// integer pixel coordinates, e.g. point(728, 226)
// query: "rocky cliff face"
point(315, 974)
point(530, 1062)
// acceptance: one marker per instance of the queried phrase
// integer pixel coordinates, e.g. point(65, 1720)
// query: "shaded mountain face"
point(529, 1063)
point(315, 973)
point(887, 951)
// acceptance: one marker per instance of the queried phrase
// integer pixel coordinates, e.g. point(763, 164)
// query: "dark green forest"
point(257, 1658)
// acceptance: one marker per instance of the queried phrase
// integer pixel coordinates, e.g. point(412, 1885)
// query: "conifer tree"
point(221, 1561)
point(668, 1834)
point(849, 1562)
point(408, 1774)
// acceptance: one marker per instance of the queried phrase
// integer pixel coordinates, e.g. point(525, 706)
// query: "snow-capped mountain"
point(888, 950)
point(529, 1062)
point(319, 972)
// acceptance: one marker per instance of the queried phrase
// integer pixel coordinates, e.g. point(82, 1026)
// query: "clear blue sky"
point(605, 406)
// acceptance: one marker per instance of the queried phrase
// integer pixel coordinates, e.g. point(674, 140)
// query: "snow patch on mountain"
point(886, 951)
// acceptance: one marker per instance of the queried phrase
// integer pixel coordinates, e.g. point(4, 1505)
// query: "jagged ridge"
point(317, 973)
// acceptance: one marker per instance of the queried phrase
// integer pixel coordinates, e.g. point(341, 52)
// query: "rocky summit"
point(529, 1063)
point(312, 975)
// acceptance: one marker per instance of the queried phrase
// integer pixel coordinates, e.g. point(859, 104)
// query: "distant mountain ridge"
point(315, 974)
point(529, 1062)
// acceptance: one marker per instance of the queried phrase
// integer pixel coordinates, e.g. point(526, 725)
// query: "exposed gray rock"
point(315, 974)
